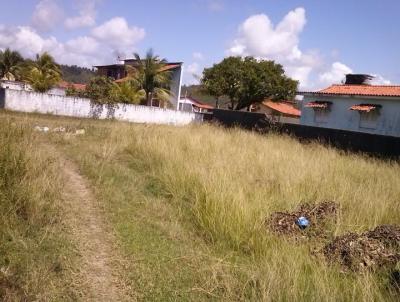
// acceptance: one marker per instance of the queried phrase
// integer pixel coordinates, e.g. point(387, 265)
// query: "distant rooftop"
point(283, 107)
point(170, 65)
point(361, 90)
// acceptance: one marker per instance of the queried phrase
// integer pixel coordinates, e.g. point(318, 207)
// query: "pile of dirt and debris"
point(320, 216)
point(372, 249)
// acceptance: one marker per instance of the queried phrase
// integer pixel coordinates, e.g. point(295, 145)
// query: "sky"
point(316, 41)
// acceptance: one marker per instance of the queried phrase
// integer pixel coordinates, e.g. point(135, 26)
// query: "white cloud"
point(118, 34)
point(25, 40)
point(191, 73)
point(83, 45)
point(47, 15)
point(258, 37)
point(193, 68)
point(198, 56)
point(80, 51)
point(336, 74)
point(300, 73)
point(86, 17)
point(380, 80)
point(101, 46)
point(79, 21)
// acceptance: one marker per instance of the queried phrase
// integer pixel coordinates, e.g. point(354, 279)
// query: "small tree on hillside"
point(245, 81)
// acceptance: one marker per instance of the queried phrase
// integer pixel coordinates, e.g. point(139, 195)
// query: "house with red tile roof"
point(283, 111)
point(67, 85)
point(190, 104)
point(118, 73)
point(354, 106)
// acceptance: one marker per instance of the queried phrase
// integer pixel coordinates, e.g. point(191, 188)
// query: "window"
point(369, 120)
point(321, 115)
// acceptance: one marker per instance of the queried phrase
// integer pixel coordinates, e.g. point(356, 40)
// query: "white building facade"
point(361, 108)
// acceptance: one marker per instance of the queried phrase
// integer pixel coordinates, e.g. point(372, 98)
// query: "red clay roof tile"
point(364, 107)
point(65, 85)
point(283, 107)
point(362, 90)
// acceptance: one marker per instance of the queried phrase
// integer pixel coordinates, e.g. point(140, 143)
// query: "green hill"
point(76, 74)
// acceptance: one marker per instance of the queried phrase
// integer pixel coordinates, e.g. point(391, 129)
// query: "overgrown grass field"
point(35, 253)
point(189, 204)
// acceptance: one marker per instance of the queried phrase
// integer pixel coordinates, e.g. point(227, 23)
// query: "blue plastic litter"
point(302, 222)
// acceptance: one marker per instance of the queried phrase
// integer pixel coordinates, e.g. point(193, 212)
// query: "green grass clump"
point(33, 250)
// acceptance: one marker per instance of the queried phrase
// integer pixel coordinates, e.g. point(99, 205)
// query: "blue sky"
point(316, 41)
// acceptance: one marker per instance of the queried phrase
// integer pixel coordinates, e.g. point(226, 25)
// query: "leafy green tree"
point(10, 64)
point(245, 81)
point(43, 73)
point(72, 91)
point(151, 76)
point(224, 79)
point(100, 90)
point(104, 91)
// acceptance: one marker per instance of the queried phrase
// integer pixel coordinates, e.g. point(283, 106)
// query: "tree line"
point(77, 74)
point(144, 82)
point(42, 74)
point(238, 82)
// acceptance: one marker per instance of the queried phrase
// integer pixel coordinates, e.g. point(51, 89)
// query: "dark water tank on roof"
point(358, 79)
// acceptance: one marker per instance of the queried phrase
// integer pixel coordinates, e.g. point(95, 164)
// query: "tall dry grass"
point(222, 184)
point(34, 263)
point(228, 181)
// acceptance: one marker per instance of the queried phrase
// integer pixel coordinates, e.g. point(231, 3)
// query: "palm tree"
point(43, 73)
point(151, 76)
point(10, 64)
point(127, 92)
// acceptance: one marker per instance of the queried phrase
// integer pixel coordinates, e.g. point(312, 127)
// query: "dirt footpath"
point(94, 238)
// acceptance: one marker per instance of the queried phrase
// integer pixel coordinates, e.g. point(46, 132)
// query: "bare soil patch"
point(94, 236)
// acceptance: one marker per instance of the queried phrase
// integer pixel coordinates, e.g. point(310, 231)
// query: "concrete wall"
point(176, 81)
point(14, 85)
point(340, 117)
point(78, 107)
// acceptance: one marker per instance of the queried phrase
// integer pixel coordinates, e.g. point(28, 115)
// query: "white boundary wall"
point(79, 107)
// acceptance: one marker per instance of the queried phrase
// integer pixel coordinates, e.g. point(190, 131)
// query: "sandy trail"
point(94, 237)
